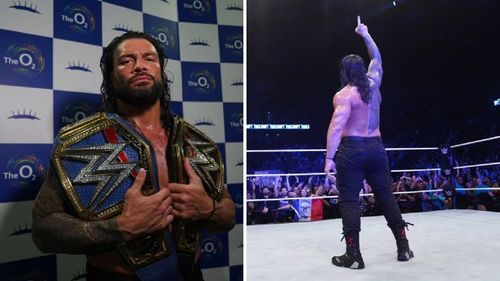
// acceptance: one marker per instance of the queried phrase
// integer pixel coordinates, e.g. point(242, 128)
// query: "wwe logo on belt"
point(444, 150)
point(100, 169)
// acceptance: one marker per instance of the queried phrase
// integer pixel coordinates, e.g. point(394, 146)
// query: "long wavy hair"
point(353, 72)
point(107, 67)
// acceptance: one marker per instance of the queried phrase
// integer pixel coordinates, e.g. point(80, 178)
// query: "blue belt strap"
point(166, 269)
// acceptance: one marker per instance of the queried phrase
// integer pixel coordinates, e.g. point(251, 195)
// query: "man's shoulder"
point(346, 94)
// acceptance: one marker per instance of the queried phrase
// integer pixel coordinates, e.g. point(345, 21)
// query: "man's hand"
point(144, 214)
point(361, 29)
point(190, 201)
point(330, 166)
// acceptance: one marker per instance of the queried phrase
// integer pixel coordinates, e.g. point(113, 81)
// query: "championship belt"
point(204, 156)
point(96, 161)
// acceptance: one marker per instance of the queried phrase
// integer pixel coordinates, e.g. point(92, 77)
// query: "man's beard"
point(142, 96)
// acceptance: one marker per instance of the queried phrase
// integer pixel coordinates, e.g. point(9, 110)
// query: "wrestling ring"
point(451, 244)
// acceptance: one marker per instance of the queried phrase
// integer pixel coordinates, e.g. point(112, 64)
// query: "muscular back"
point(361, 119)
point(364, 119)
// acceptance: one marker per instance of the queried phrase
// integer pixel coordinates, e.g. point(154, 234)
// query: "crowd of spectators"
point(298, 198)
point(293, 198)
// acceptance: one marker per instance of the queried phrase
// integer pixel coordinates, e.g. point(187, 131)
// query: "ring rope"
point(283, 175)
point(387, 149)
point(473, 142)
point(370, 194)
point(477, 165)
point(415, 170)
point(324, 150)
point(393, 171)
point(323, 173)
point(288, 150)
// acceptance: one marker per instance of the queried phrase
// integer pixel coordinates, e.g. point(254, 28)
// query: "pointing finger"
point(359, 20)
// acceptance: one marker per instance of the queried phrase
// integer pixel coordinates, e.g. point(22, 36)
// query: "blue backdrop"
point(50, 77)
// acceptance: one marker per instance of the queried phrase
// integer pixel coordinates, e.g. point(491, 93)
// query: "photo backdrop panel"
point(123, 20)
point(15, 234)
point(26, 115)
point(230, 12)
point(26, 60)
point(26, 16)
point(206, 116)
point(199, 42)
point(232, 82)
point(50, 77)
point(78, 70)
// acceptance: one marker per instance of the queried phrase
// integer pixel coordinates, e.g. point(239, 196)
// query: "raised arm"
point(277, 186)
point(375, 71)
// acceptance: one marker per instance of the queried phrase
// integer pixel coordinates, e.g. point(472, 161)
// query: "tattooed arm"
point(375, 71)
point(223, 218)
point(193, 203)
point(55, 230)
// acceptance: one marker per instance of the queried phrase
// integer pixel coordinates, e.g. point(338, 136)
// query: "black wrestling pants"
point(360, 158)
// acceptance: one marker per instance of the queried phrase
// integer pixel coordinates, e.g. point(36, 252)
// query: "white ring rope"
point(322, 174)
point(369, 194)
point(324, 150)
point(283, 175)
point(288, 150)
point(415, 170)
point(410, 148)
point(473, 142)
point(477, 165)
point(392, 171)
point(387, 149)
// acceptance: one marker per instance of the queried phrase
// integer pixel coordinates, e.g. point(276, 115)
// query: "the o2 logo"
point(24, 171)
point(75, 112)
point(237, 120)
point(79, 18)
point(234, 44)
point(198, 7)
point(203, 82)
point(211, 247)
point(26, 59)
point(164, 35)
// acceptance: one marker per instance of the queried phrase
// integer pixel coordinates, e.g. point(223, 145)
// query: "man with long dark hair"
point(355, 151)
point(187, 169)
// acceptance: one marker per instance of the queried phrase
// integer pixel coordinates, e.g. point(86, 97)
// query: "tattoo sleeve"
point(56, 230)
point(224, 215)
point(375, 71)
point(374, 118)
point(372, 48)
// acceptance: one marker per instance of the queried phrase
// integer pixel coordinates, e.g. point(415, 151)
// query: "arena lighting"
point(496, 102)
point(278, 127)
point(394, 3)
